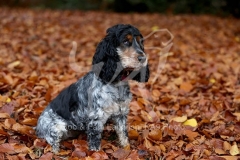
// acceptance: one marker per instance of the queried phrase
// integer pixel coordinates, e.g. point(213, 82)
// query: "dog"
point(102, 94)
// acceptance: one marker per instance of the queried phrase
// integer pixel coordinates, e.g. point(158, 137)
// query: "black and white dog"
point(101, 94)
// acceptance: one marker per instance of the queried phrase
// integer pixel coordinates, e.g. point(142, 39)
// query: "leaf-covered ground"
point(191, 111)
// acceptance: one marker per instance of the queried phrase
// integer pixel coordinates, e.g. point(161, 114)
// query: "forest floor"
point(189, 109)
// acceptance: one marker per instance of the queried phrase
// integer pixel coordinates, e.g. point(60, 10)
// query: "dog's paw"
point(94, 148)
point(55, 148)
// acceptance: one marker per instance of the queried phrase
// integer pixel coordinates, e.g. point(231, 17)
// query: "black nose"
point(141, 59)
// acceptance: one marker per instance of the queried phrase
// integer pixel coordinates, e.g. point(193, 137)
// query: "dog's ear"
point(106, 59)
point(142, 75)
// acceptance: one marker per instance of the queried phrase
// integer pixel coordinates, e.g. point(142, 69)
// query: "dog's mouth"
point(125, 74)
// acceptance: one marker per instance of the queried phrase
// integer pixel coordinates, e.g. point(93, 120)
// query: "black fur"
point(106, 62)
point(100, 95)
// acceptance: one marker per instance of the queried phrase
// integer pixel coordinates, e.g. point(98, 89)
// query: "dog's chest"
point(116, 99)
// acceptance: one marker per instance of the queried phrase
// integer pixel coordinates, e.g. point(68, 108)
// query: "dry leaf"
point(146, 117)
point(147, 143)
point(179, 119)
point(226, 146)
point(190, 122)
point(230, 157)
point(4, 115)
point(186, 86)
point(133, 134)
point(234, 149)
point(47, 156)
point(155, 135)
point(121, 153)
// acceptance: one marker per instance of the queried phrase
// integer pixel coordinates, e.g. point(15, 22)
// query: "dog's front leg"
point(94, 134)
point(121, 129)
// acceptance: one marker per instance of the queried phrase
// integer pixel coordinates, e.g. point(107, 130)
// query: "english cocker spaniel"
point(102, 94)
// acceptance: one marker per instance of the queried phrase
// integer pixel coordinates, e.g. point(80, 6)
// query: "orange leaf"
point(155, 135)
point(191, 135)
point(186, 86)
point(24, 129)
point(29, 121)
point(133, 134)
point(99, 155)
point(156, 93)
point(4, 115)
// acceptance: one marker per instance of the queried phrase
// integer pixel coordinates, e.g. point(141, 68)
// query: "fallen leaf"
point(179, 119)
point(13, 64)
point(46, 156)
point(145, 116)
point(230, 157)
point(220, 151)
point(237, 115)
point(186, 86)
point(147, 143)
point(99, 155)
point(133, 134)
point(234, 149)
point(121, 153)
point(7, 148)
point(4, 115)
point(191, 135)
point(190, 122)
point(80, 152)
point(226, 146)
point(155, 135)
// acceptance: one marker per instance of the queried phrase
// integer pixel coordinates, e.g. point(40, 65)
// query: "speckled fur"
point(98, 96)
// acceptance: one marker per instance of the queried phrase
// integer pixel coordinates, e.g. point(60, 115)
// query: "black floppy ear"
point(142, 75)
point(106, 59)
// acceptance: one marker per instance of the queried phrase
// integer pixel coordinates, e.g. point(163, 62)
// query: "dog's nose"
point(142, 59)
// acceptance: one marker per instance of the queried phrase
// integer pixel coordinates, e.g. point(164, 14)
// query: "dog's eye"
point(126, 42)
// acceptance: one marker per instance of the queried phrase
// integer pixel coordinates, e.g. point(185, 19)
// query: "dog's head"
point(120, 55)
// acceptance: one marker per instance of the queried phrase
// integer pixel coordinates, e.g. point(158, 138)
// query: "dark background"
point(215, 7)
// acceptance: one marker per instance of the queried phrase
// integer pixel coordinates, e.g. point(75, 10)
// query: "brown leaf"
point(155, 135)
point(80, 152)
point(121, 153)
point(156, 93)
point(133, 155)
point(8, 107)
point(29, 121)
point(7, 148)
point(46, 156)
point(4, 115)
point(9, 122)
point(48, 95)
point(230, 157)
point(226, 146)
point(191, 135)
point(99, 155)
point(39, 143)
point(133, 134)
point(146, 117)
point(23, 129)
point(186, 86)
point(147, 143)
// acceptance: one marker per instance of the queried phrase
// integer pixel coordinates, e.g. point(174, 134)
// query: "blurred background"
point(214, 7)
